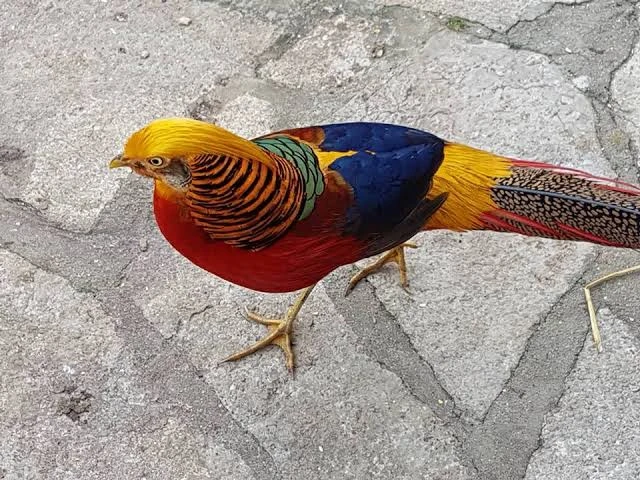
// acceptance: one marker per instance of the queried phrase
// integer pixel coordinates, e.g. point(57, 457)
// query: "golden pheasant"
point(279, 212)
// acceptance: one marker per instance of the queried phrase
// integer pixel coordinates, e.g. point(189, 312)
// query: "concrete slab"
point(70, 408)
point(588, 52)
point(345, 43)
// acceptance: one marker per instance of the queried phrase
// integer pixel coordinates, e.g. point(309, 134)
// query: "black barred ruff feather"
point(244, 203)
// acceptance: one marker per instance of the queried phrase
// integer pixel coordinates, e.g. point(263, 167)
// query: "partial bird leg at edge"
point(279, 331)
point(394, 255)
point(595, 330)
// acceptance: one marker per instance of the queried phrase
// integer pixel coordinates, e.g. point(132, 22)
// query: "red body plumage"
point(297, 260)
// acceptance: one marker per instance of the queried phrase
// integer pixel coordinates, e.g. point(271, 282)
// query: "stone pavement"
point(110, 340)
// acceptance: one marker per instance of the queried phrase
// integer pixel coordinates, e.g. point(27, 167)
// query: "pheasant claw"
point(277, 335)
point(279, 332)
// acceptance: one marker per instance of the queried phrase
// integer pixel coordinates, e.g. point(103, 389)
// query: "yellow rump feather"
point(467, 174)
point(325, 159)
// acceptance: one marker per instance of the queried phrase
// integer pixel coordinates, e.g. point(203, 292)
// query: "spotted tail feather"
point(546, 201)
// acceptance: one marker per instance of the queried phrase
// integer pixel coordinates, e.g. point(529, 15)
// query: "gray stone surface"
point(54, 85)
point(626, 94)
point(70, 405)
point(601, 396)
point(485, 369)
point(485, 12)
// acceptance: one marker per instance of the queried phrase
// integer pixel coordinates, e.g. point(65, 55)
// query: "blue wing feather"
point(377, 137)
point(390, 174)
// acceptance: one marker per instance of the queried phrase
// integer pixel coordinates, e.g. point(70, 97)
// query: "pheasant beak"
point(118, 162)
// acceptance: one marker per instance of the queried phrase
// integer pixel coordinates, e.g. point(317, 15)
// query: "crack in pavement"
point(386, 342)
point(174, 379)
point(557, 401)
point(577, 51)
point(193, 315)
point(535, 328)
point(535, 386)
point(630, 52)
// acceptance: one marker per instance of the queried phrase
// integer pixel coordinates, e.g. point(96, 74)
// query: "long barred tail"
point(547, 201)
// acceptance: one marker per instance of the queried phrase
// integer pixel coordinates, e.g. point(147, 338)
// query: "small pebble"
point(378, 51)
point(120, 17)
point(271, 15)
point(339, 21)
point(582, 82)
point(144, 54)
point(184, 21)
point(144, 244)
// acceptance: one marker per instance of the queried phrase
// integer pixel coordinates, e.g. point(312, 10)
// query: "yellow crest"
point(172, 137)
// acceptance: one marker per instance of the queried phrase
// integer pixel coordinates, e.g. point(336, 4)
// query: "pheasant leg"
point(394, 255)
point(279, 331)
point(595, 330)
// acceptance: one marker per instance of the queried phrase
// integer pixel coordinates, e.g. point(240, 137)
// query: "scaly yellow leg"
point(279, 331)
point(595, 330)
point(394, 255)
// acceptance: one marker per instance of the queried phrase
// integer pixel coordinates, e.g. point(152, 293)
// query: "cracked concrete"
point(590, 55)
point(484, 370)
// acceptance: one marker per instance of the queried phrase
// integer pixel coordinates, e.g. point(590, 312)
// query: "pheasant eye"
point(156, 161)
